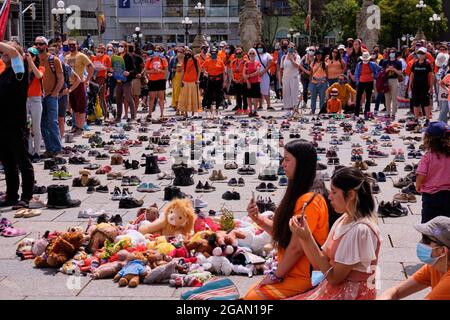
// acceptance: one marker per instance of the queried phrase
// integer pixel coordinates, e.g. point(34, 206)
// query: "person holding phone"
point(293, 274)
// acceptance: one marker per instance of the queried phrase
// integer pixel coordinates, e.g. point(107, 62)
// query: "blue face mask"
point(424, 254)
point(213, 56)
point(260, 50)
point(17, 65)
point(109, 52)
point(150, 53)
point(316, 277)
point(66, 48)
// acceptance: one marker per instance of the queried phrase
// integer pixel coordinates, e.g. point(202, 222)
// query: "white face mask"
point(121, 50)
point(365, 62)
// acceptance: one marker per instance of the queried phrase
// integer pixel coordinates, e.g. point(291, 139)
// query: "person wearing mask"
point(201, 58)
point(393, 68)
point(434, 251)
point(190, 100)
point(443, 79)
point(53, 82)
point(365, 73)
point(290, 79)
point(80, 63)
point(252, 80)
point(177, 63)
point(292, 275)
point(238, 83)
point(284, 44)
point(334, 105)
point(136, 82)
point(343, 53)
point(348, 259)
point(421, 85)
point(335, 66)
point(222, 54)
point(229, 51)
point(353, 60)
point(34, 101)
point(305, 72)
point(318, 84)
point(215, 69)
point(265, 60)
point(346, 93)
point(273, 73)
point(124, 87)
point(102, 65)
point(13, 126)
point(156, 70)
point(111, 81)
point(376, 52)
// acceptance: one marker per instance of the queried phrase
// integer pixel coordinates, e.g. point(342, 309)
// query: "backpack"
point(67, 70)
point(382, 83)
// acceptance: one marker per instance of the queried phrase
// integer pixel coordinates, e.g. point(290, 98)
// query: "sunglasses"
point(101, 52)
point(121, 47)
point(251, 54)
point(72, 45)
point(39, 44)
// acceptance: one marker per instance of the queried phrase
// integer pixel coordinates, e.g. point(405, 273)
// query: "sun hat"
point(366, 56)
point(437, 229)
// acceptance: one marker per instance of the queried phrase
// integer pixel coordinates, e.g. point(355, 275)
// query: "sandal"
point(5, 223)
point(20, 213)
point(32, 213)
point(13, 232)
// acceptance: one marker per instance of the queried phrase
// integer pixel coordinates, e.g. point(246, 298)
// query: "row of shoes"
point(263, 187)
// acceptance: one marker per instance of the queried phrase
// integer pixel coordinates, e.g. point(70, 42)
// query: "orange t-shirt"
point(366, 73)
point(317, 218)
point(273, 66)
point(156, 63)
point(237, 68)
point(214, 67)
point(35, 88)
point(2, 66)
point(190, 73)
point(102, 63)
point(222, 55)
point(334, 106)
point(201, 60)
point(428, 55)
point(439, 283)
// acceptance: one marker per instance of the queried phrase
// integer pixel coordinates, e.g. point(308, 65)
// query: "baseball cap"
point(222, 44)
point(436, 129)
point(422, 49)
point(334, 92)
point(44, 39)
point(33, 51)
point(341, 47)
point(437, 229)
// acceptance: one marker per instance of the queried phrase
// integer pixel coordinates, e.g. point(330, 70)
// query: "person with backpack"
point(53, 82)
point(348, 259)
point(156, 69)
point(305, 73)
point(190, 100)
point(293, 272)
point(365, 73)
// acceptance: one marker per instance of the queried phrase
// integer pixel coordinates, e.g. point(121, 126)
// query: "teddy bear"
point(60, 250)
point(101, 233)
point(131, 273)
point(227, 241)
point(201, 242)
point(135, 238)
point(149, 214)
point(70, 267)
point(161, 274)
point(177, 219)
point(259, 242)
point(110, 269)
point(84, 177)
point(218, 264)
point(161, 245)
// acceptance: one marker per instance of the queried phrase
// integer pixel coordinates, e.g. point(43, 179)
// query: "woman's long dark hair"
point(305, 173)
point(321, 61)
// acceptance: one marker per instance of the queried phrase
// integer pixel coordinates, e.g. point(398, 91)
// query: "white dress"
point(264, 59)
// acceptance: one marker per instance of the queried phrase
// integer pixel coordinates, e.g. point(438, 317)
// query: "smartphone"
point(253, 197)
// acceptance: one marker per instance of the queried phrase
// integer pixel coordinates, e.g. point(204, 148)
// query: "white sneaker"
point(199, 203)
point(36, 203)
point(90, 213)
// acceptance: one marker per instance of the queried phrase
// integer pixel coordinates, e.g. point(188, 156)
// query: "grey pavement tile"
point(391, 271)
point(8, 251)
point(411, 268)
point(407, 255)
point(401, 235)
point(70, 298)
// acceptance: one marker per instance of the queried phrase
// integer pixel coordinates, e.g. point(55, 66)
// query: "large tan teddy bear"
point(60, 250)
point(177, 219)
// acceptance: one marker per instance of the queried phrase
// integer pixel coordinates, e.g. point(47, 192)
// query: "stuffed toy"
point(110, 269)
point(222, 266)
point(135, 238)
point(130, 275)
point(184, 280)
point(161, 274)
point(70, 267)
point(202, 242)
point(84, 177)
point(42, 243)
point(24, 249)
point(177, 219)
point(202, 223)
point(149, 214)
point(60, 250)
point(89, 264)
point(161, 245)
point(101, 233)
point(226, 220)
point(259, 242)
point(228, 241)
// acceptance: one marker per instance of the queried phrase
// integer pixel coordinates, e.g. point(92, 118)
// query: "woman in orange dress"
point(292, 275)
point(190, 100)
point(348, 259)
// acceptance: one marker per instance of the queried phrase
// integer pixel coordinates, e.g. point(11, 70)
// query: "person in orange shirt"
point(237, 83)
point(102, 65)
point(201, 58)
point(434, 251)
point(214, 68)
point(190, 95)
point(34, 101)
point(156, 69)
point(292, 275)
point(221, 54)
point(334, 105)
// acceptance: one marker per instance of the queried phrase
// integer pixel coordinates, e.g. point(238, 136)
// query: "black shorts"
point(421, 98)
point(156, 85)
point(254, 91)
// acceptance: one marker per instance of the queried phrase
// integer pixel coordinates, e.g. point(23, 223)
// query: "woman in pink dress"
point(348, 259)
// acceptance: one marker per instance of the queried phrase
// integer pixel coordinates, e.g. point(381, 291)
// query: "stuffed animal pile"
point(157, 247)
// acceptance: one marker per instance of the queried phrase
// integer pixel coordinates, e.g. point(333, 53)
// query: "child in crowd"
point(346, 93)
point(348, 258)
point(433, 174)
point(334, 105)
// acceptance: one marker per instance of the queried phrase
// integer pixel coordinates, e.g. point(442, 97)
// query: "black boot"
point(48, 164)
point(168, 193)
point(63, 199)
point(151, 165)
point(186, 178)
point(51, 191)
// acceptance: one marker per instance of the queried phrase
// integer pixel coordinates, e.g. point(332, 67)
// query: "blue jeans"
point(317, 89)
point(49, 124)
point(443, 114)
point(378, 100)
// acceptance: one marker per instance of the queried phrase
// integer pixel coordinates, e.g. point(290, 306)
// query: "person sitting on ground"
point(434, 251)
point(433, 174)
point(346, 93)
point(348, 259)
point(334, 105)
point(292, 275)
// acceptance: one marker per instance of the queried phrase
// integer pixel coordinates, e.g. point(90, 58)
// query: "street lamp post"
point(137, 36)
point(187, 22)
point(61, 14)
point(435, 19)
point(408, 37)
point(420, 35)
point(199, 8)
point(200, 38)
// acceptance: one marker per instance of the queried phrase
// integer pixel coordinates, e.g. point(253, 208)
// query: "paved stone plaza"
point(20, 280)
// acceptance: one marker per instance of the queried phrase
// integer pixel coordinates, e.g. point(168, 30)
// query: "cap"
point(33, 51)
point(422, 49)
point(334, 92)
point(350, 39)
point(437, 229)
point(341, 47)
point(213, 49)
point(366, 56)
point(43, 39)
point(222, 44)
point(436, 129)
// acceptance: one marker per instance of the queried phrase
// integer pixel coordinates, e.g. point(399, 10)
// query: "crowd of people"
point(333, 232)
